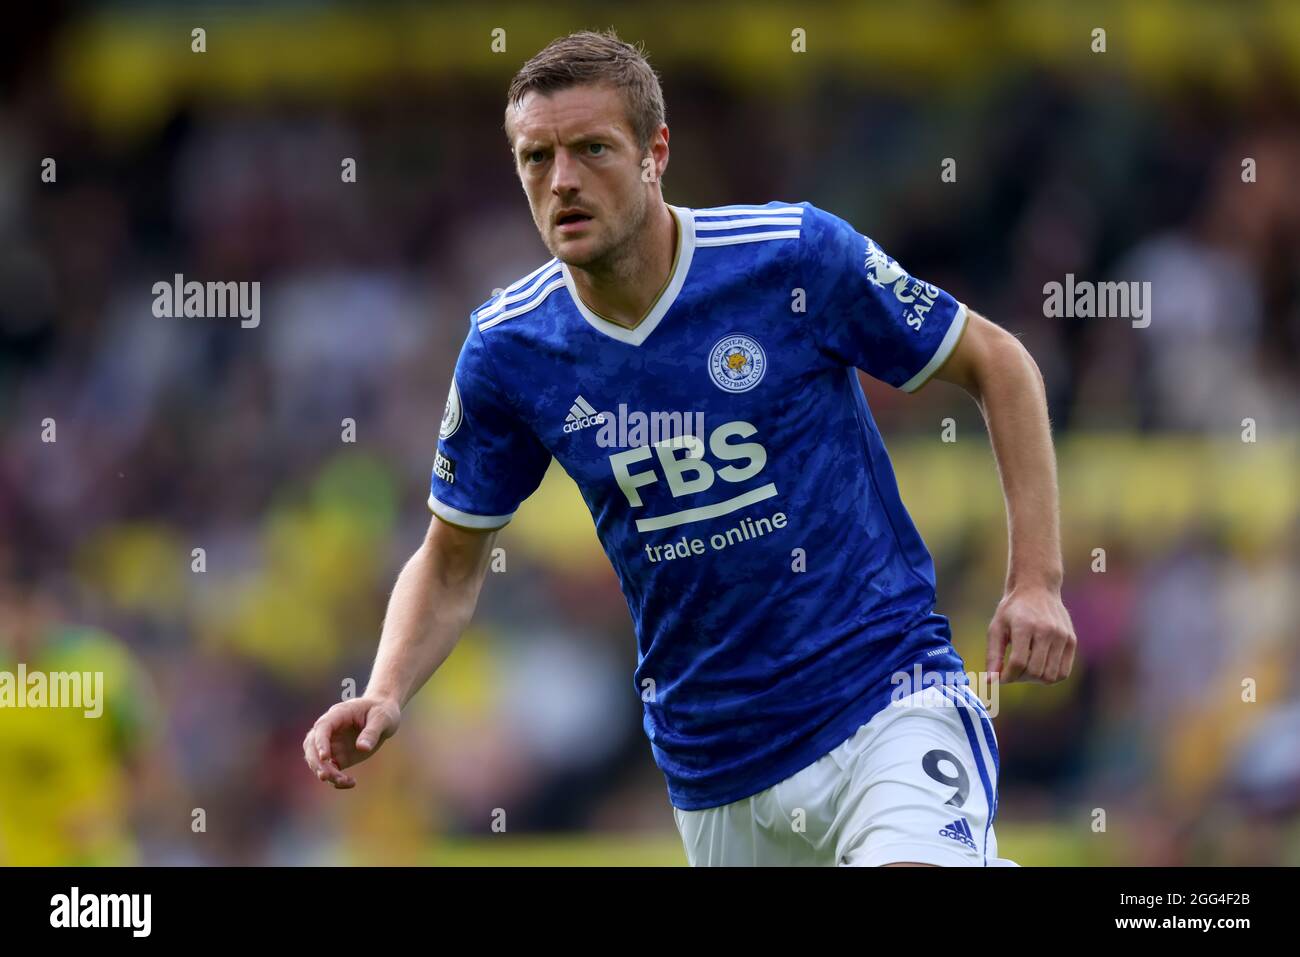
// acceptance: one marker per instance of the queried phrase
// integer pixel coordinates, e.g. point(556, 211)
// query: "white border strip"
point(527, 307)
point(468, 519)
point(747, 238)
point(940, 354)
point(519, 283)
point(689, 515)
point(751, 211)
point(746, 223)
point(637, 335)
point(505, 300)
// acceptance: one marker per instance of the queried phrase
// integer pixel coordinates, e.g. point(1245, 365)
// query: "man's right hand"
point(347, 734)
point(445, 573)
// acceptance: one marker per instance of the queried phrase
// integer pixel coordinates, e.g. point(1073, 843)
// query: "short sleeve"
point(866, 311)
point(488, 461)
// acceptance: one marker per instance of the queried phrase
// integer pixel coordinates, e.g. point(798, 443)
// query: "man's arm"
point(1004, 380)
point(430, 606)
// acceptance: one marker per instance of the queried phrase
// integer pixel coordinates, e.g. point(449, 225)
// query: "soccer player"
point(778, 587)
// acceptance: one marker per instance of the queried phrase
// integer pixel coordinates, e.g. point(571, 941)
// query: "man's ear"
point(663, 132)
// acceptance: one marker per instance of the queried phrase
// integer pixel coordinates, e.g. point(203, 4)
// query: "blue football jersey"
point(737, 480)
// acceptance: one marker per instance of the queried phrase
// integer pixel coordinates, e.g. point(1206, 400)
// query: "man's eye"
point(534, 156)
point(596, 148)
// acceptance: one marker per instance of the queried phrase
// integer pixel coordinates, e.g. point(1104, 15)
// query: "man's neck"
point(626, 291)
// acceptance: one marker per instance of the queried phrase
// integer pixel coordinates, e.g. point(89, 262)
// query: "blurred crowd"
point(222, 512)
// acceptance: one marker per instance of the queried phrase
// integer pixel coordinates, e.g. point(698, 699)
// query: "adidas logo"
point(582, 415)
point(959, 830)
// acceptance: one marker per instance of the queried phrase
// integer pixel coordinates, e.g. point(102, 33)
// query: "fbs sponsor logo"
point(582, 416)
point(917, 297)
point(444, 468)
point(683, 467)
point(960, 832)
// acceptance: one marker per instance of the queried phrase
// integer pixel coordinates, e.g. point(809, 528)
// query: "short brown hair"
point(590, 57)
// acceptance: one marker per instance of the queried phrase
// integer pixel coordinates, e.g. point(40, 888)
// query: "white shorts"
point(915, 783)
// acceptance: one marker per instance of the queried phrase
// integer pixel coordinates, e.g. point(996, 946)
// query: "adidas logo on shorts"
point(959, 830)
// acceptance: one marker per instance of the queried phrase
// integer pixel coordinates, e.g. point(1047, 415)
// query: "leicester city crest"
point(737, 363)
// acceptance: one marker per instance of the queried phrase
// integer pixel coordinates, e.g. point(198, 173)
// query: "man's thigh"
point(922, 788)
point(787, 825)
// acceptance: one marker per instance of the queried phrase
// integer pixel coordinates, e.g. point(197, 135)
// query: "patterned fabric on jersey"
point(735, 475)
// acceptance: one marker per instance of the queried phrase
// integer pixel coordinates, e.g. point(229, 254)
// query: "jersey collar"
point(667, 296)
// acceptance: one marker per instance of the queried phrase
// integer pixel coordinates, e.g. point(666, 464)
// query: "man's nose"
point(564, 173)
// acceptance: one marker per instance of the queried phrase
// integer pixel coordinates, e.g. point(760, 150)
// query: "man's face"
point(578, 161)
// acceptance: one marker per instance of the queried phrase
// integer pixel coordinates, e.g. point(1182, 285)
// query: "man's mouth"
point(572, 219)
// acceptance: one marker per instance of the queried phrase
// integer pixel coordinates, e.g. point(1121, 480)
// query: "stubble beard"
point(616, 257)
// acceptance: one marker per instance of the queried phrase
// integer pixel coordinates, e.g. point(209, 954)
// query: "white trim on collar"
point(634, 337)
